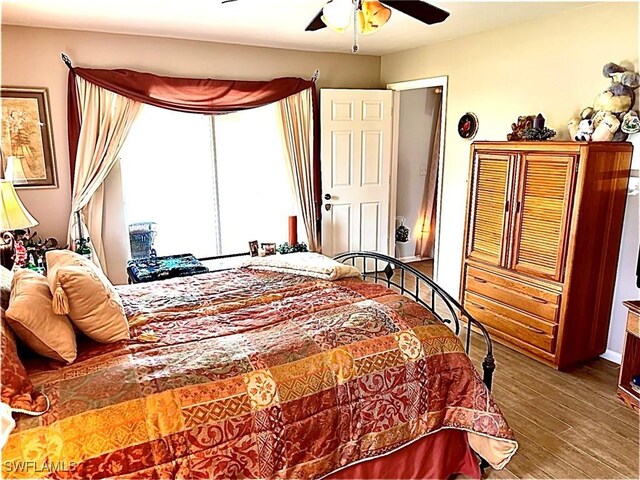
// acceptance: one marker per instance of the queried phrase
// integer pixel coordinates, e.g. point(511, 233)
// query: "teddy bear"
point(581, 128)
point(606, 118)
point(607, 126)
point(620, 96)
point(585, 130)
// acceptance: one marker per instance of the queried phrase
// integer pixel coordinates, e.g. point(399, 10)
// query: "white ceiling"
point(272, 23)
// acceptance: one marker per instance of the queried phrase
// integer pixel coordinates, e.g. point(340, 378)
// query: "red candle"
point(293, 230)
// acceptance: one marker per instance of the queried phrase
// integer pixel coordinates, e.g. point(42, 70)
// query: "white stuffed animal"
point(606, 128)
point(573, 126)
point(585, 130)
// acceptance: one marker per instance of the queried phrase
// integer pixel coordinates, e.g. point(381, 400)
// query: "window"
point(211, 184)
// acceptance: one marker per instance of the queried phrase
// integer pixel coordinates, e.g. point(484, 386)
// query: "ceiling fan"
point(368, 16)
point(373, 14)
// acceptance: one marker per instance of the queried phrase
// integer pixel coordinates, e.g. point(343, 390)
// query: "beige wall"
point(551, 65)
point(31, 57)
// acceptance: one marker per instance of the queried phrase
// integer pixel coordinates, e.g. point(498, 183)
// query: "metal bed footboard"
point(384, 271)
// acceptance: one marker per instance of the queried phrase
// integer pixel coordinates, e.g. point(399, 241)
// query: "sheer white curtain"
point(105, 121)
point(296, 115)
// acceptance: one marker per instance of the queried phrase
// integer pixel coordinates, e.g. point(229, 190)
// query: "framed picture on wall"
point(26, 147)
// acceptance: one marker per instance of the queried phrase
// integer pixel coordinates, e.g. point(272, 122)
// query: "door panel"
point(356, 168)
point(341, 159)
point(369, 226)
point(491, 190)
point(372, 158)
point(543, 214)
point(340, 217)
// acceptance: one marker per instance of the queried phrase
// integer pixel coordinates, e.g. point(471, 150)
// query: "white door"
point(356, 168)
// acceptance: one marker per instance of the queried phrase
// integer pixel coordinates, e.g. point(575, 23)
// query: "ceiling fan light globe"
point(372, 16)
point(364, 27)
point(332, 27)
point(337, 15)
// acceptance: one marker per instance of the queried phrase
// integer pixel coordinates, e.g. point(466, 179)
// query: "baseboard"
point(612, 356)
point(410, 259)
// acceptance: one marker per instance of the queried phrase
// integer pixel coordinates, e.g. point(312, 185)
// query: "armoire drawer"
point(513, 293)
point(529, 329)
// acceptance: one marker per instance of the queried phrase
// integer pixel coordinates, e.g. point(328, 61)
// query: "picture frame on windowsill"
point(269, 248)
point(253, 248)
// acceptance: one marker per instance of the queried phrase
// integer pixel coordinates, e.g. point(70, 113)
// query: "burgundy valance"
point(190, 95)
point(193, 95)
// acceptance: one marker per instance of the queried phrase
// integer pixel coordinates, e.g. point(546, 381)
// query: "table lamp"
point(14, 171)
point(13, 216)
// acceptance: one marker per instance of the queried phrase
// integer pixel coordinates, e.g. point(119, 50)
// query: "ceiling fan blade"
point(316, 23)
point(422, 11)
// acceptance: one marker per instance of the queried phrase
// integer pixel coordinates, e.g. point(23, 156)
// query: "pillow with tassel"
point(81, 291)
point(31, 317)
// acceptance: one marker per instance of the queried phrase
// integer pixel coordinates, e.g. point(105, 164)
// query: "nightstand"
point(630, 365)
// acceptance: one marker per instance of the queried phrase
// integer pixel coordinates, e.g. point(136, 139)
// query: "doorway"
point(416, 190)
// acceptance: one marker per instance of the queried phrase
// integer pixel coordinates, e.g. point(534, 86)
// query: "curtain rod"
point(66, 60)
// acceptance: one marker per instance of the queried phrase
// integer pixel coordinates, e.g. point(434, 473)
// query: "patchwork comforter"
point(255, 374)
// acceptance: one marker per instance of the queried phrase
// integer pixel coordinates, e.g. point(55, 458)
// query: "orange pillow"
point(82, 291)
point(31, 317)
point(17, 389)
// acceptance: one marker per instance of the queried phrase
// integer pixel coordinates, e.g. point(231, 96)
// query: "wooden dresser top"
point(633, 305)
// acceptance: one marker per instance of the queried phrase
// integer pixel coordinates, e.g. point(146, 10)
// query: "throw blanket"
point(255, 374)
point(303, 263)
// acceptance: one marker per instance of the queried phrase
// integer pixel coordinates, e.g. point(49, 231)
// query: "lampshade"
point(14, 171)
point(372, 16)
point(13, 215)
point(337, 14)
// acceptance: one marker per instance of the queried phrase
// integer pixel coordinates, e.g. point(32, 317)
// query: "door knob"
point(327, 196)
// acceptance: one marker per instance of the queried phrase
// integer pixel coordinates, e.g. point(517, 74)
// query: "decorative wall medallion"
point(468, 126)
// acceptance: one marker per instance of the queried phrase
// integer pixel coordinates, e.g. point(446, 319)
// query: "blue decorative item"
point(635, 383)
point(160, 268)
point(141, 238)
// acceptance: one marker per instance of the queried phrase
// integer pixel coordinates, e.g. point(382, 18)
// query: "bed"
point(252, 373)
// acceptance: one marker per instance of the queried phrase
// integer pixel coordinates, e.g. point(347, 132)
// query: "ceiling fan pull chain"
point(356, 6)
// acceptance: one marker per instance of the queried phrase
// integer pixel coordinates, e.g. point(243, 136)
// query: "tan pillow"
point(6, 277)
point(31, 317)
point(81, 290)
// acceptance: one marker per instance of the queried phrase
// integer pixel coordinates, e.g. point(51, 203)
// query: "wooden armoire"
point(542, 237)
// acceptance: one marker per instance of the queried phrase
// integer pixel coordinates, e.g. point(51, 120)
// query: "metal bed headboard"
point(384, 271)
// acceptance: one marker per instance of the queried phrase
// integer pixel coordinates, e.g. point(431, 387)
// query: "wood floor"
point(568, 424)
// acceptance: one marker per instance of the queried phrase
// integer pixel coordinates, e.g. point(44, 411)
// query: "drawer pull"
point(479, 280)
point(539, 300)
point(535, 330)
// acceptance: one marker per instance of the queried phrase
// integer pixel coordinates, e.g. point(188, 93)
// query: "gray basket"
point(141, 237)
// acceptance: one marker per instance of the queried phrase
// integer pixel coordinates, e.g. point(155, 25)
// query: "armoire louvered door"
point(489, 219)
point(543, 209)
